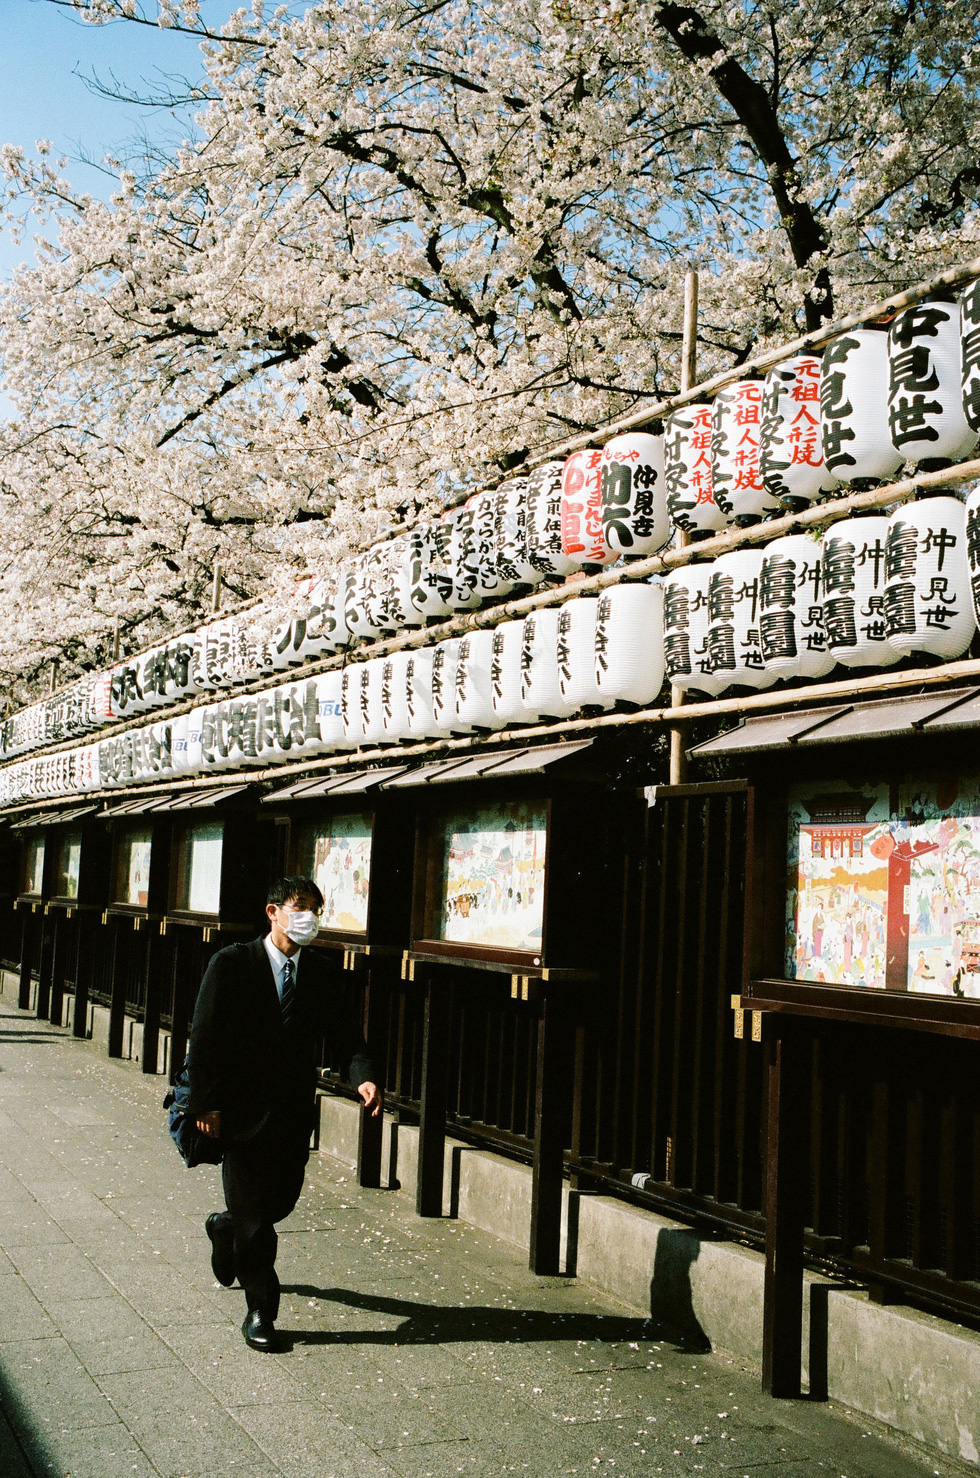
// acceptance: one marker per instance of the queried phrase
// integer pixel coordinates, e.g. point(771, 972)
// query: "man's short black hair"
point(284, 889)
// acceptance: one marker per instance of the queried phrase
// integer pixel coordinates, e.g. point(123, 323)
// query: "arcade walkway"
point(413, 1348)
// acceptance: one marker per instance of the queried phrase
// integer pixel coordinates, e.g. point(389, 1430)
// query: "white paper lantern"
point(474, 698)
point(576, 655)
point(925, 391)
point(634, 498)
point(361, 599)
point(791, 445)
point(794, 643)
point(629, 643)
point(687, 652)
point(736, 427)
point(178, 742)
point(371, 698)
point(330, 709)
point(970, 353)
point(475, 550)
point(687, 471)
point(928, 602)
point(857, 444)
point(734, 644)
point(397, 564)
point(540, 687)
point(505, 672)
point(853, 587)
point(463, 559)
point(513, 565)
point(544, 510)
point(445, 659)
point(582, 538)
point(394, 696)
point(195, 758)
point(431, 584)
point(418, 681)
point(350, 702)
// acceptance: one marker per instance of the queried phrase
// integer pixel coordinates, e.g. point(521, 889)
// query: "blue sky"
point(46, 55)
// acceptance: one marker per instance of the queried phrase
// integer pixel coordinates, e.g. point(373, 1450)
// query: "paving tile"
point(180, 1426)
point(234, 1374)
point(13, 1464)
point(305, 1440)
point(103, 1452)
point(23, 1316)
point(47, 1387)
point(60, 1271)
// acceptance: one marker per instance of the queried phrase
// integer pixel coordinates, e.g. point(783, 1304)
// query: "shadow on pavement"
point(436, 1324)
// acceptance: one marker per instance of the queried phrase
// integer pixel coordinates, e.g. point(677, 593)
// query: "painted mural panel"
point(886, 895)
point(493, 872)
point(339, 861)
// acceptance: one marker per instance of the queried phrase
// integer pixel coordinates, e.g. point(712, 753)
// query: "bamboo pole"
point(689, 356)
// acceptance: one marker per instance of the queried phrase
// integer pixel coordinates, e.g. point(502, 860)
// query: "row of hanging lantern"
point(875, 589)
point(877, 397)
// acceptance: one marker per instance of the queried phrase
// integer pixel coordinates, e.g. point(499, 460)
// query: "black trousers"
point(262, 1179)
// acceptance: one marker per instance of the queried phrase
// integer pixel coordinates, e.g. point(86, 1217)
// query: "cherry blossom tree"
point(409, 243)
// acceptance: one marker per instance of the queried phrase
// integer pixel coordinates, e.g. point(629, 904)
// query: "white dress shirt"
point(279, 961)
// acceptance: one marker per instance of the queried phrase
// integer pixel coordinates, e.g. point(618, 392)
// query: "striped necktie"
point(287, 998)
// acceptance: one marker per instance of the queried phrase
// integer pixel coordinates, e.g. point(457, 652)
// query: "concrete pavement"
point(412, 1349)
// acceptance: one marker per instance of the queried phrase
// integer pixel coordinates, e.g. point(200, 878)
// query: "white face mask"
point(303, 926)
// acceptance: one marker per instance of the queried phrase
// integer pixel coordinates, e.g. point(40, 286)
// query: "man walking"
point(252, 1074)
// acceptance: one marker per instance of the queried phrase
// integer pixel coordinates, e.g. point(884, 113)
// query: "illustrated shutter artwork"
point(582, 537)
point(474, 698)
point(576, 655)
point(791, 444)
point(736, 428)
point(687, 648)
point(928, 601)
point(634, 498)
point(418, 688)
point(505, 672)
point(544, 509)
point(734, 643)
point(853, 587)
point(794, 643)
point(629, 643)
point(857, 444)
point(687, 471)
point(925, 391)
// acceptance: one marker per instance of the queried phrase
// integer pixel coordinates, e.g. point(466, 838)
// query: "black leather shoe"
point(259, 1331)
point(222, 1249)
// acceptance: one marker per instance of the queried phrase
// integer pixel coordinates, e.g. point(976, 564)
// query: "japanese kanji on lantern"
point(970, 353)
point(484, 535)
point(687, 653)
point(791, 630)
point(540, 688)
point(513, 566)
point(445, 660)
point(634, 499)
point(853, 588)
point(396, 566)
point(687, 471)
point(734, 643)
point(505, 672)
point(394, 696)
point(736, 476)
point(791, 450)
point(350, 702)
point(431, 587)
point(629, 643)
point(928, 602)
point(372, 706)
point(582, 537)
point(925, 390)
point(576, 655)
point(418, 692)
point(857, 443)
point(973, 548)
point(466, 594)
point(544, 506)
point(474, 699)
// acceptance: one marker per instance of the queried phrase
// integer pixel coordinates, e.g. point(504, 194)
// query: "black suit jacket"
point(240, 1059)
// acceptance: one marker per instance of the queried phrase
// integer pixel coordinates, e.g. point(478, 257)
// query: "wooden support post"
point(120, 956)
point(152, 999)
point(89, 930)
point(552, 1080)
point(59, 952)
point(370, 1131)
point(786, 1183)
point(432, 1111)
point(44, 968)
point(28, 939)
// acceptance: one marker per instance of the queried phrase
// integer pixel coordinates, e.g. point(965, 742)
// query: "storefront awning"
point(875, 718)
point(351, 782)
point(198, 800)
point(52, 818)
point(511, 762)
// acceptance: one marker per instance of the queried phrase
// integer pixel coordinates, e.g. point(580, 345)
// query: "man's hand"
point(210, 1124)
point(371, 1094)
